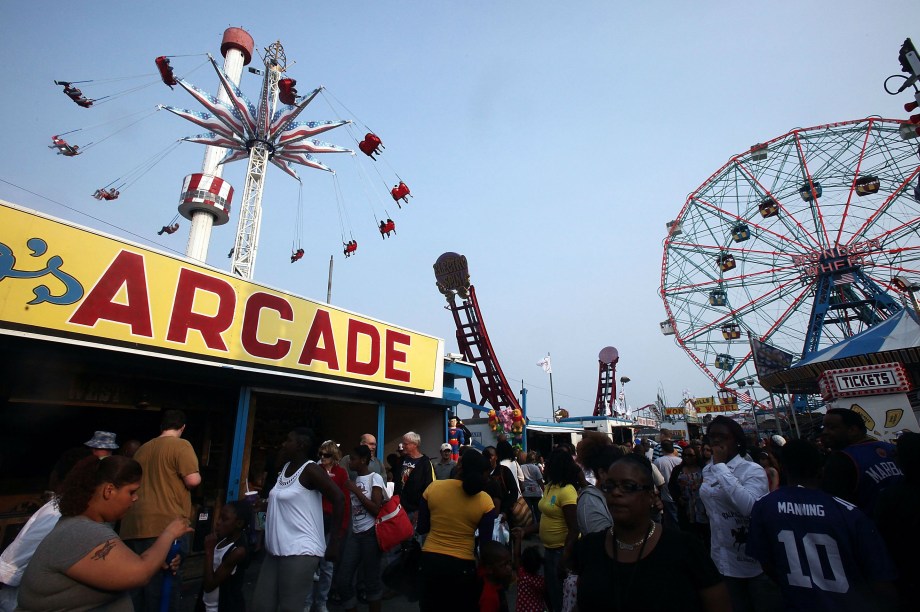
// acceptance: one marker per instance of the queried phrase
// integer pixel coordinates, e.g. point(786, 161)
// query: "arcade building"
point(97, 333)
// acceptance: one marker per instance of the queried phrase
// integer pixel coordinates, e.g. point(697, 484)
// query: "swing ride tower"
point(247, 234)
point(206, 212)
point(260, 133)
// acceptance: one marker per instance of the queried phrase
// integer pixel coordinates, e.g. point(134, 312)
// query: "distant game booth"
point(98, 333)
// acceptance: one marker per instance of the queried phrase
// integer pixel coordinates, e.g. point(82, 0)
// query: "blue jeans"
point(320, 591)
point(361, 550)
point(670, 515)
point(147, 598)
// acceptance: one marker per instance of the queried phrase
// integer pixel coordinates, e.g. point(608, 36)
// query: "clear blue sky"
point(548, 142)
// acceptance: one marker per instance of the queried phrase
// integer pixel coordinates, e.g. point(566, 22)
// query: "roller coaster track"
point(606, 388)
point(473, 341)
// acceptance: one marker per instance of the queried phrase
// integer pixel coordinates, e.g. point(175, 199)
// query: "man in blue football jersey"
point(861, 467)
point(823, 551)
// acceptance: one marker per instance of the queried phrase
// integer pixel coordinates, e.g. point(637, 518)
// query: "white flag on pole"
point(546, 365)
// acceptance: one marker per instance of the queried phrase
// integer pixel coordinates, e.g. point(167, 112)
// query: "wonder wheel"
point(800, 242)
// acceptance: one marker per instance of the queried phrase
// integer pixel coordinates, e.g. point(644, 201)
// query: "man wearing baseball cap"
point(445, 466)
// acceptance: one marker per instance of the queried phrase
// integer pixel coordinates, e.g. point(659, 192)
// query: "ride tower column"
point(236, 47)
point(260, 151)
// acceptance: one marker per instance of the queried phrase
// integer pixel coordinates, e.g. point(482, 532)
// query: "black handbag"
point(402, 575)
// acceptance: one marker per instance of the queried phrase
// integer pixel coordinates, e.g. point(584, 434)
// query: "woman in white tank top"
point(294, 538)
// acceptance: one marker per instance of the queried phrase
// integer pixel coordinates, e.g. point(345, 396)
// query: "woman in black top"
point(636, 564)
point(506, 481)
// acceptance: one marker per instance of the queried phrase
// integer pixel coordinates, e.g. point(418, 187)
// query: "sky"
point(548, 142)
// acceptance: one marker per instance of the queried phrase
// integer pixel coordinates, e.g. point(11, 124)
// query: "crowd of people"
point(725, 522)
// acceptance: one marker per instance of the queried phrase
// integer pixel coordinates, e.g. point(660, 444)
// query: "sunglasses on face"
point(626, 487)
point(326, 455)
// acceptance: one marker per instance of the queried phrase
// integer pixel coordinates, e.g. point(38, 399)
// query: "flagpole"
point(552, 397)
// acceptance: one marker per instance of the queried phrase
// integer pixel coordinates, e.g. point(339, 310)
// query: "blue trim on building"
point(381, 423)
point(239, 444)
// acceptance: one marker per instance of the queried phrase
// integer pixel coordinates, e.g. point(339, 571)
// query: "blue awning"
point(900, 331)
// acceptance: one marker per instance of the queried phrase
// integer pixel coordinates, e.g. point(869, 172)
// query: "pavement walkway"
point(191, 586)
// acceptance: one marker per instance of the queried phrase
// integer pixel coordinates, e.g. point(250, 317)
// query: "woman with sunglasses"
point(620, 567)
point(329, 457)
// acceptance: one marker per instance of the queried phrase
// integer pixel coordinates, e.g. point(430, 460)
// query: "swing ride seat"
point(368, 148)
point(168, 229)
point(350, 247)
point(370, 145)
point(400, 192)
point(63, 148)
point(84, 102)
point(387, 226)
point(287, 93)
point(296, 255)
point(166, 71)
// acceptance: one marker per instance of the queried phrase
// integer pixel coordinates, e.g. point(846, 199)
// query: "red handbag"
point(393, 525)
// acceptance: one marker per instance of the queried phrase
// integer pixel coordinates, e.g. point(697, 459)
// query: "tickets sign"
point(69, 284)
point(876, 379)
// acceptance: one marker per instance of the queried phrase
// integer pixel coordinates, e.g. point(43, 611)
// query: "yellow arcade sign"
point(71, 284)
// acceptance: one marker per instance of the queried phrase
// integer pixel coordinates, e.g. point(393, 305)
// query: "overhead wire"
point(85, 214)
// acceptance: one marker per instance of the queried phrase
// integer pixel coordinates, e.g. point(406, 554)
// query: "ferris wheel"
point(799, 242)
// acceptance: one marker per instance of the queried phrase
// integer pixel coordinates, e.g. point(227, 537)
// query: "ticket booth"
point(877, 392)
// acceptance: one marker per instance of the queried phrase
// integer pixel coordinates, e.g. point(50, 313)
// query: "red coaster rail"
point(473, 341)
point(606, 381)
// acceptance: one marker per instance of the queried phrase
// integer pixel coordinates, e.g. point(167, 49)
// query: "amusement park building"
point(98, 333)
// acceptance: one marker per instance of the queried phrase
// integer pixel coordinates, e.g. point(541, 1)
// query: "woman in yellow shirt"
point(558, 522)
point(450, 512)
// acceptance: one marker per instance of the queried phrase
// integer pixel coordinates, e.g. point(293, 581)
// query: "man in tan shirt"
point(170, 471)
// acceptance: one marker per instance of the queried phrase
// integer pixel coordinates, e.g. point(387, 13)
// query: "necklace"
point(283, 480)
point(625, 546)
point(623, 593)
